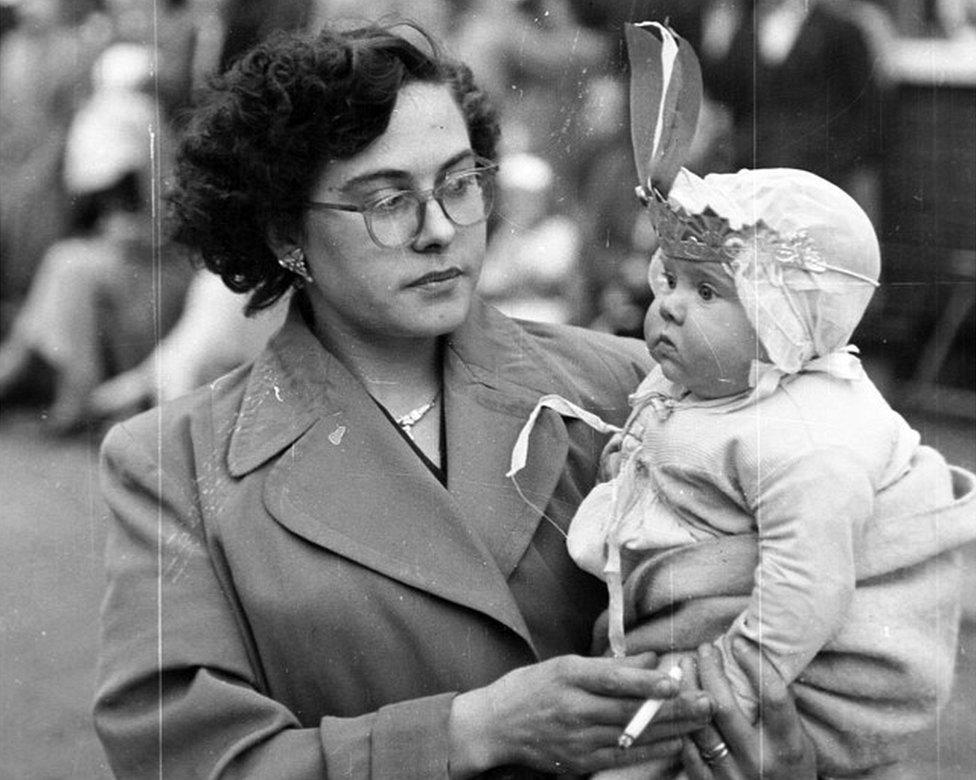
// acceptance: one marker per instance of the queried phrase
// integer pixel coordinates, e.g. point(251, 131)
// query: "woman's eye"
point(390, 204)
point(706, 292)
point(455, 184)
point(461, 185)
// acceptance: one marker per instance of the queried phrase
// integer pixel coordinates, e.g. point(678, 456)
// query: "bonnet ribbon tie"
point(661, 404)
point(612, 570)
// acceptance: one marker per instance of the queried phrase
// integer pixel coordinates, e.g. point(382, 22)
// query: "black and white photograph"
point(449, 389)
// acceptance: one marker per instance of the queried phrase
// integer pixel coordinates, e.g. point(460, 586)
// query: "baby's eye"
point(706, 292)
point(670, 279)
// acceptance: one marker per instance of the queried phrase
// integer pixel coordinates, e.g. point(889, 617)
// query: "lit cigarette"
point(645, 714)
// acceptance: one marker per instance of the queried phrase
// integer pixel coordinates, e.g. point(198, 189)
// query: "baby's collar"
point(665, 396)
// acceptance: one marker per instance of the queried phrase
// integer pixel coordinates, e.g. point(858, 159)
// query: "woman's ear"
point(281, 241)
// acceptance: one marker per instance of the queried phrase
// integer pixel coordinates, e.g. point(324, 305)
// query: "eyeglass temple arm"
point(336, 206)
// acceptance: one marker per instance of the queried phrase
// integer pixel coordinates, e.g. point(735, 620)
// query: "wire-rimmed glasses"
point(395, 220)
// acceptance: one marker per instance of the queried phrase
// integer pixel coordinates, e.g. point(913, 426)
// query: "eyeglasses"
point(396, 220)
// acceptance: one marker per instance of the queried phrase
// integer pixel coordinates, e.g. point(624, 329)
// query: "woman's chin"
point(440, 318)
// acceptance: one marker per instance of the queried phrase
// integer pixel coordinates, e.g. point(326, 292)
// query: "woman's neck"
point(400, 378)
point(399, 373)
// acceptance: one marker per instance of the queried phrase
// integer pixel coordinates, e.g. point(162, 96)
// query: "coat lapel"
point(492, 383)
point(346, 481)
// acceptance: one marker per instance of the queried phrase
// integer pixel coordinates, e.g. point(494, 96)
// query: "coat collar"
point(351, 484)
point(296, 382)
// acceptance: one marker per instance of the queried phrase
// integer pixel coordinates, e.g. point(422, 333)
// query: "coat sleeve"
point(177, 694)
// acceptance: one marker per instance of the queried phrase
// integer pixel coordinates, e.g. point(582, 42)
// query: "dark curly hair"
point(256, 144)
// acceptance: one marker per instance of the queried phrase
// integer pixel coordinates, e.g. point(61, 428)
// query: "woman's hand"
point(734, 748)
point(566, 715)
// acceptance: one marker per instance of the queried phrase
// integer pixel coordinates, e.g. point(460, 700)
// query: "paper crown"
point(707, 236)
point(665, 99)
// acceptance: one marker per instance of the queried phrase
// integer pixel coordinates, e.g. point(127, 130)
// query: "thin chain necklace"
point(411, 418)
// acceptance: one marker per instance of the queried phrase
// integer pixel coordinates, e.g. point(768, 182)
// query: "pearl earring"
point(294, 261)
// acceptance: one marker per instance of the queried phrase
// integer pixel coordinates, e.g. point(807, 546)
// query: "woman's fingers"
point(777, 705)
point(635, 676)
point(737, 731)
point(731, 721)
point(710, 756)
point(776, 746)
point(694, 767)
point(777, 710)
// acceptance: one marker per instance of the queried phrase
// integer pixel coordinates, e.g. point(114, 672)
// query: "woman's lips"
point(436, 277)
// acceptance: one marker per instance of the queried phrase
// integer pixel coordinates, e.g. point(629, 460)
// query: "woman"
point(316, 566)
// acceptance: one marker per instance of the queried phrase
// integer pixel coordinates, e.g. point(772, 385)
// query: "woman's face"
point(423, 289)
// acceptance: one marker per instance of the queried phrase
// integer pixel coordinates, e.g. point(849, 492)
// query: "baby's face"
point(696, 328)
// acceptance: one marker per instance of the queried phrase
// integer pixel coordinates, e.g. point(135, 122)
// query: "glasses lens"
point(466, 197)
point(393, 219)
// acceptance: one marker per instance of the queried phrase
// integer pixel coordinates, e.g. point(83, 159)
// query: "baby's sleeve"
point(809, 515)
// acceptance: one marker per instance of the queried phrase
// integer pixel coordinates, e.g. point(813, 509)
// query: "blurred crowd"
point(100, 315)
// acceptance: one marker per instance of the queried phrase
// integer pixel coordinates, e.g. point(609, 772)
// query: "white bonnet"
point(806, 290)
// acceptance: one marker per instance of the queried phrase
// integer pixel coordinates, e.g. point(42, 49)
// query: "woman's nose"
point(435, 229)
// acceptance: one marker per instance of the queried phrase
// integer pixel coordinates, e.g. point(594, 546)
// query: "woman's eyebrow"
point(397, 174)
point(450, 163)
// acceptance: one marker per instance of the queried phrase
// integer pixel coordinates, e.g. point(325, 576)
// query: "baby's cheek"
point(652, 323)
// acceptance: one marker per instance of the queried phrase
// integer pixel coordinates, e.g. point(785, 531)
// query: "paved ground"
point(51, 520)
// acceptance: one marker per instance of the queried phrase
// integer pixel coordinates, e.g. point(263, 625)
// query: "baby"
point(757, 417)
point(759, 422)
point(762, 490)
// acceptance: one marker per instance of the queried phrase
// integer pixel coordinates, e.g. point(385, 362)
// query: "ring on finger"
point(716, 753)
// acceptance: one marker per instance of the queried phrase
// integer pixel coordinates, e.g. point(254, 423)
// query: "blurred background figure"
point(552, 77)
point(172, 30)
point(46, 54)
point(247, 22)
point(801, 81)
point(806, 83)
point(211, 337)
point(101, 298)
point(531, 267)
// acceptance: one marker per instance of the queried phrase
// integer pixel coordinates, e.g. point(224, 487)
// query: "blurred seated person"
point(531, 267)
point(46, 58)
point(101, 297)
point(211, 337)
